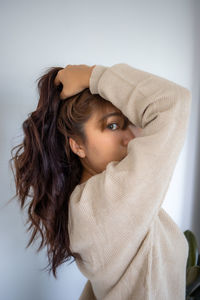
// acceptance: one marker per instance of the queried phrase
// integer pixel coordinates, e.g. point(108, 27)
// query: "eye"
point(111, 125)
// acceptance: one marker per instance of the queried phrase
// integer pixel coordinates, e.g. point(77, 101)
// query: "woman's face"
point(106, 140)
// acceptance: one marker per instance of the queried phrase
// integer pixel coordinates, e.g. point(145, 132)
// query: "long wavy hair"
point(46, 169)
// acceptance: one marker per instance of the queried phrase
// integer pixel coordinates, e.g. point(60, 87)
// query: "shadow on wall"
point(192, 194)
point(196, 209)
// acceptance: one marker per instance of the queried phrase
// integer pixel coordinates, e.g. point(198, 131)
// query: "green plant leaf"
point(193, 249)
point(193, 281)
point(192, 274)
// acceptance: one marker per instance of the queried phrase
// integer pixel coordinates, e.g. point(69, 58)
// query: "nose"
point(128, 135)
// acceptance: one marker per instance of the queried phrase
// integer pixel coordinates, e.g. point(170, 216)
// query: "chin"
point(122, 157)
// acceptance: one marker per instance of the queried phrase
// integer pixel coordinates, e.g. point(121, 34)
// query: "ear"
point(76, 148)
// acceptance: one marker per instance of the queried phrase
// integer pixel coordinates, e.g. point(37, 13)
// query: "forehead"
point(101, 115)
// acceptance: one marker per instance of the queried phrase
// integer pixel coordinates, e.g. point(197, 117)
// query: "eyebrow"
point(109, 115)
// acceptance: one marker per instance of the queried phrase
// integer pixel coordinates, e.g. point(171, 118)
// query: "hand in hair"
point(74, 79)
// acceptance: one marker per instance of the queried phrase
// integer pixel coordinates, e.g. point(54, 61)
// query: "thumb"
point(65, 93)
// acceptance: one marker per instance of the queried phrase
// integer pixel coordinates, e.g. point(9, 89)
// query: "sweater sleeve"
point(120, 204)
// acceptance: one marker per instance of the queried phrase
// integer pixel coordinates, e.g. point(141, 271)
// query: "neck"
point(85, 176)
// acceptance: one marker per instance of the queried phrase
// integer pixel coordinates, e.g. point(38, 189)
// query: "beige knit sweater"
point(129, 247)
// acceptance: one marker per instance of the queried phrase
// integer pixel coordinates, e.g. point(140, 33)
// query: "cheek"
point(102, 146)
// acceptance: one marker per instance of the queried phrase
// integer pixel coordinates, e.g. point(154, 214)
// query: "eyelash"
point(123, 127)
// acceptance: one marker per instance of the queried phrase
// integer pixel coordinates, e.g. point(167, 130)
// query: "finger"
point(57, 79)
point(63, 94)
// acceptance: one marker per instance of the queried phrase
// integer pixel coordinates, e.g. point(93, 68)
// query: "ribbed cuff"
point(95, 77)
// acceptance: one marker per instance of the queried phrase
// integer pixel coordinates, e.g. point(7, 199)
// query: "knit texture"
point(129, 247)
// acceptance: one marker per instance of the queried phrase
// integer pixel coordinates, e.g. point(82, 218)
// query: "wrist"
point(90, 69)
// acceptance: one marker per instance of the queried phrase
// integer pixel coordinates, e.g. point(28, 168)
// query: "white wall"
point(156, 36)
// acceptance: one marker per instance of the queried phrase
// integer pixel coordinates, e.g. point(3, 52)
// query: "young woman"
point(98, 155)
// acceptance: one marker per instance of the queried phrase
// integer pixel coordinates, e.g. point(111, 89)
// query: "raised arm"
point(118, 206)
point(139, 94)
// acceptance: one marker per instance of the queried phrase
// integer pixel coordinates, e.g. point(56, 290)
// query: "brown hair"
point(45, 167)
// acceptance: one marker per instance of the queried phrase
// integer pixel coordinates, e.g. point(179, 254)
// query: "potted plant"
point(192, 268)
